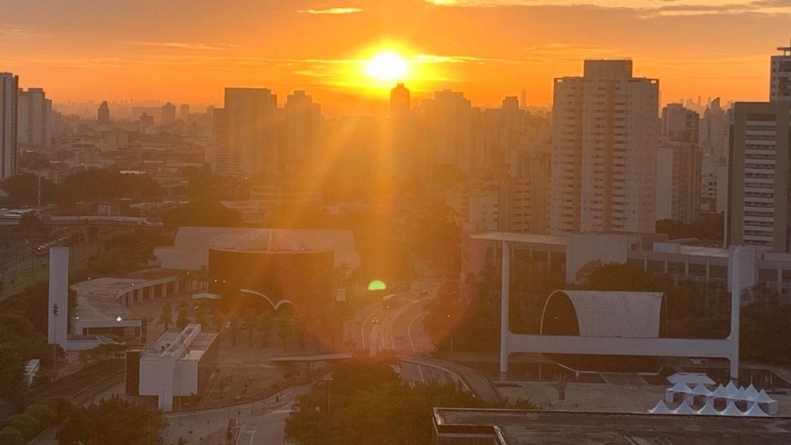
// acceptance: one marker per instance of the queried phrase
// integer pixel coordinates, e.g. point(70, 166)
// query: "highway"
point(260, 423)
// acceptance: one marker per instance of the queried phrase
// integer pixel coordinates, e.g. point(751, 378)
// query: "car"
point(374, 320)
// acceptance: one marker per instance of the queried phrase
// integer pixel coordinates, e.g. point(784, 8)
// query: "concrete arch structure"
point(510, 343)
point(275, 306)
point(604, 313)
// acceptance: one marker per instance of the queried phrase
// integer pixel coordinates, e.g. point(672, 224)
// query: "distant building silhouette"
point(184, 112)
point(145, 124)
point(780, 86)
point(34, 119)
point(303, 127)
point(759, 183)
point(605, 132)
point(679, 165)
point(9, 86)
point(103, 117)
point(168, 113)
point(451, 120)
point(399, 102)
point(246, 132)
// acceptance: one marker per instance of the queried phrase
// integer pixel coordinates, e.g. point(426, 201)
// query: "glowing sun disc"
point(387, 66)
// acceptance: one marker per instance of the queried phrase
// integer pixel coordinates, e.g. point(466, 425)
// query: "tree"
point(265, 325)
point(166, 316)
point(217, 319)
point(202, 317)
point(183, 319)
point(12, 368)
point(285, 330)
point(22, 190)
point(112, 421)
point(202, 213)
point(11, 436)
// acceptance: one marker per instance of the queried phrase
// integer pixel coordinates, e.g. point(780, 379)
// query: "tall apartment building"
point(758, 172)
point(246, 132)
point(399, 102)
point(679, 159)
point(303, 127)
point(450, 131)
point(780, 84)
point(103, 114)
point(34, 119)
point(523, 196)
point(9, 86)
point(605, 134)
point(168, 113)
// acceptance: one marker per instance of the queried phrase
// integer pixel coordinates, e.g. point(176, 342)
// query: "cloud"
point(190, 46)
point(330, 11)
point(650, 8)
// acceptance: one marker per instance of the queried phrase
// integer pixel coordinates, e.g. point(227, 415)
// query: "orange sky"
point(189, 50)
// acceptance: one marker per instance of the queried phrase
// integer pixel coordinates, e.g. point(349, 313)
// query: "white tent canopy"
point(701, 390)
point(720, 392)
point(755, 411)
point(660, 408)
point(684, 408)
point(751, 392)
point(731, 410)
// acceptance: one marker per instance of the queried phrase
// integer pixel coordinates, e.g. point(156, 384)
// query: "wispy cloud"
point(189, 46)
point(330, 11)
point(651, 8)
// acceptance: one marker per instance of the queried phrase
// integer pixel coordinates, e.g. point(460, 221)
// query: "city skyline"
point(487, 49)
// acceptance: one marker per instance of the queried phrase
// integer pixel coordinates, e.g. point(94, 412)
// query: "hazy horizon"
point(189, 51)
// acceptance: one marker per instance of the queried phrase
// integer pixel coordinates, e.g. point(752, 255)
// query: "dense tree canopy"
point(708, 227)
point(202, 213)
point(366, 403)
point(112, 421)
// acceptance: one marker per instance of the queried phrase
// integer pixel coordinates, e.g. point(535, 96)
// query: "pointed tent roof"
point(681, 387)
point(731, 410)
point(660, 408)
point(720, 392)
point(701, 390)
point(684, 408)
point(740, 394)
point(731, 388)
point(708, 409)
point(762, 397)
point(755, 411)
point(751, 392)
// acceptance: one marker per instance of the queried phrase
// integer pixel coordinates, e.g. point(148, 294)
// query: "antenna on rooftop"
point(785, 49)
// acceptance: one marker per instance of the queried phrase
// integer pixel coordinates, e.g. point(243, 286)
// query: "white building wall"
point(58, 295)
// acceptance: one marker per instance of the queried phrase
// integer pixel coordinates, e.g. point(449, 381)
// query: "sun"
point(387, 67)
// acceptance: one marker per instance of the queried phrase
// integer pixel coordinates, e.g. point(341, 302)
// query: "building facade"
point(34, 119)
point(605, 133)
point(679, 161)
point(9, 86)
point(780, 85)
point(759, 183)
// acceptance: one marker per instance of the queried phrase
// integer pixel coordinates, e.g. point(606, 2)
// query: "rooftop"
point(561, 428)
point(97, 299)
point(521, 238)
point(195, 345)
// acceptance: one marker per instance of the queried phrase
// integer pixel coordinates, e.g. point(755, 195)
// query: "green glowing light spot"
point(377, 285)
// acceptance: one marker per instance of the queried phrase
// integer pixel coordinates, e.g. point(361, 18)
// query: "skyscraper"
point(34, 119)
point(103, 117)
point(184, 112)
point(9, 86)
point(399, 102)
point(605, 133)
point(450, 118)
point(168, 113)
point(245, 132)
point(303, 124)
point(759, 184)
point(679, 161)
point(780, 86)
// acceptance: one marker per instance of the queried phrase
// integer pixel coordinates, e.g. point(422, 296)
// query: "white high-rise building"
point(759, 183)
point(678, 165)
point(34, 119)
point(245, 132)
point(780, 86)
point(605, 135)
point(9, 86)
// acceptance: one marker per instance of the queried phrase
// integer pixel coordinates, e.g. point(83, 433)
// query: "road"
point(260, 423)
point(400, 328)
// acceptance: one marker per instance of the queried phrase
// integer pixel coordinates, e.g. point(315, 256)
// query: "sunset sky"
point(189, 50)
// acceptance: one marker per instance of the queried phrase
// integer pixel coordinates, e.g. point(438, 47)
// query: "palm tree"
point(265, 325)
point(183, 317)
